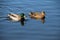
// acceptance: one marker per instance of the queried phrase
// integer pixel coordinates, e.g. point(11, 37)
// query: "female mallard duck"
point(16, 17)
point(37, 15)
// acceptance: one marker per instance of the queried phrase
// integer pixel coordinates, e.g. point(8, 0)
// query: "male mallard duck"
point(16, 17)
point(37, 15)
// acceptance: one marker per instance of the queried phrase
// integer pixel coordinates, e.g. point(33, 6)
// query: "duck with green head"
point(16, 17)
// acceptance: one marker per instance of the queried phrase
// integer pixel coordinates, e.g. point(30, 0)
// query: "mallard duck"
point(16, 17)
point(37, 15)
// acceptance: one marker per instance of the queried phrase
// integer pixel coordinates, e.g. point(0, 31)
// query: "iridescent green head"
point(22, 14)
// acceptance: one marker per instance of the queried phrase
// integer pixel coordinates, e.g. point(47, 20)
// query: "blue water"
point(33, 29)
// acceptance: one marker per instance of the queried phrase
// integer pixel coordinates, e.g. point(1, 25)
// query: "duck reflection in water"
point(43, 20)
point(38, 15)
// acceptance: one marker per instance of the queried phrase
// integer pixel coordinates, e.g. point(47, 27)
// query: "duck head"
point(32, 14)
point(22, 14)
point(43, 12)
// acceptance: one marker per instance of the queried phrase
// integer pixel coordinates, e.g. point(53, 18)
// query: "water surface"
point(33, 29)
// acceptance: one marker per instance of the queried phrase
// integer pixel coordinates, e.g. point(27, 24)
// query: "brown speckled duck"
point(37, 15)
